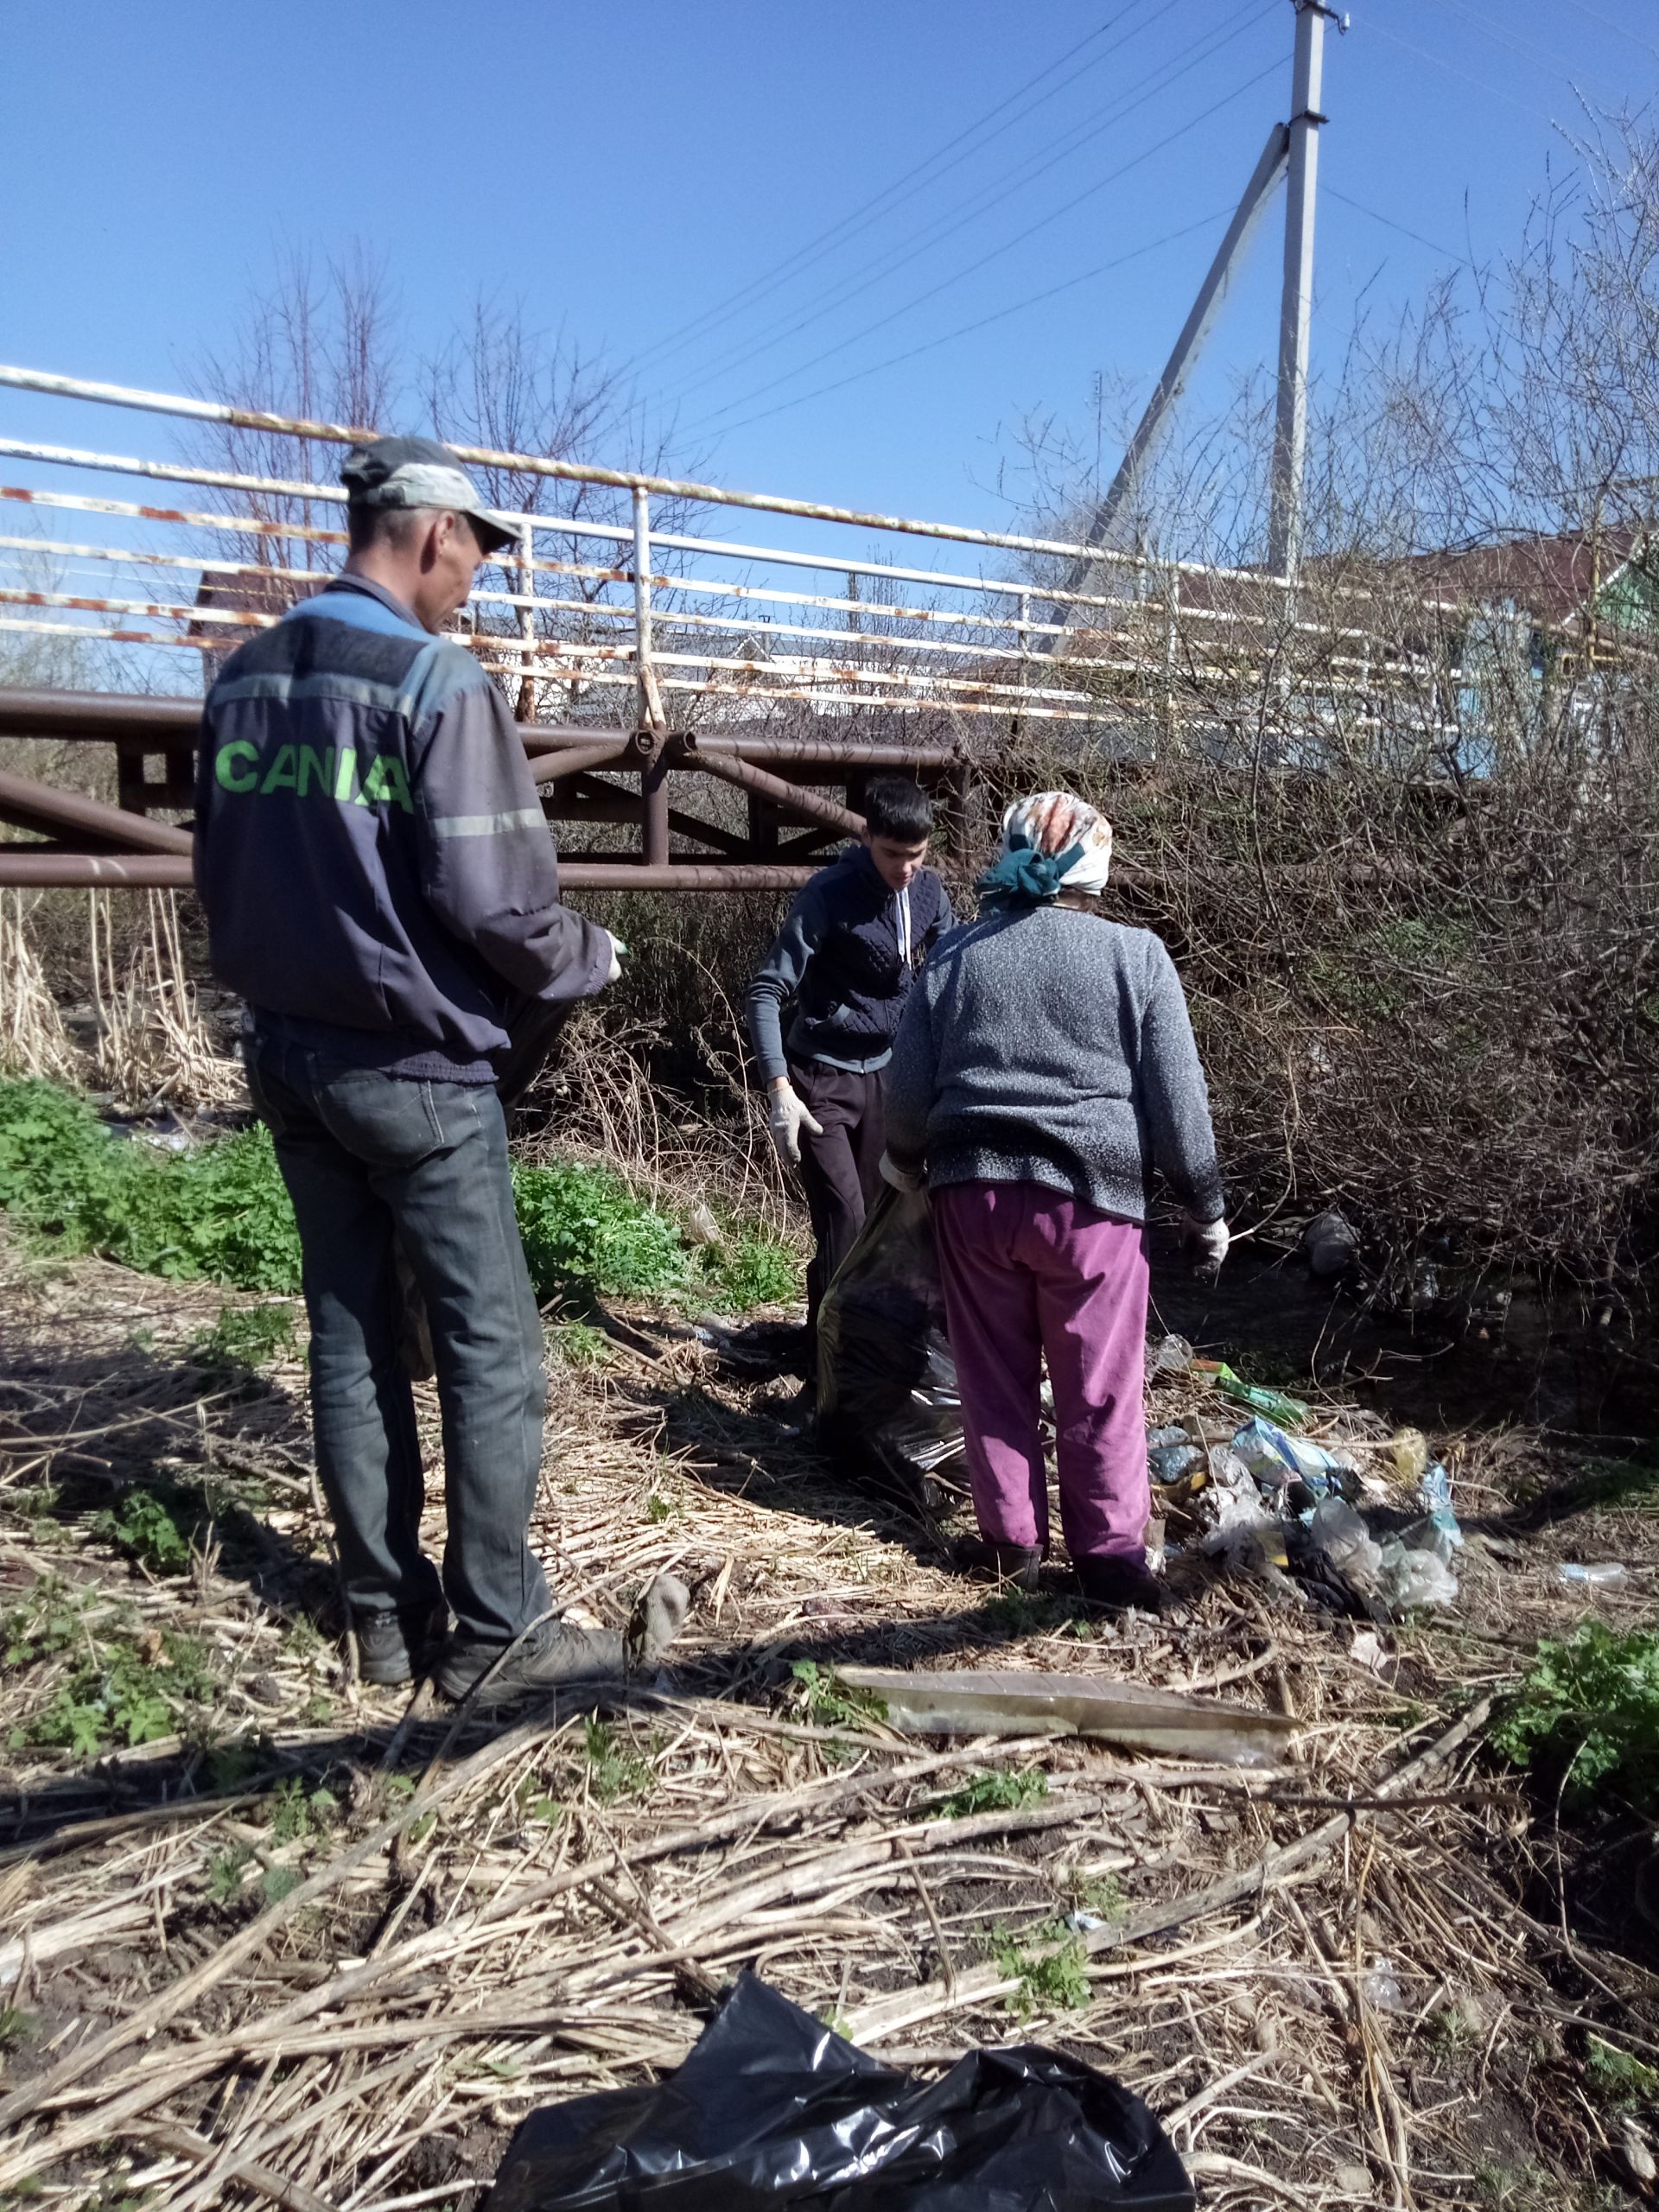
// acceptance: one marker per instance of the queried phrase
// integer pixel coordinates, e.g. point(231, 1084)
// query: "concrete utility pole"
point(1296, 304)
point(1112, 524)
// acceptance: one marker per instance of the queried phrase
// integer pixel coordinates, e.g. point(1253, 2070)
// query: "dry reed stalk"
point(556, 1928)
point(152, 1046)
point(33, 1039)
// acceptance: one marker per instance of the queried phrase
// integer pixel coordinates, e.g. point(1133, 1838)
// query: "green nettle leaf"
point(1589, 1709)
point(221, 1211)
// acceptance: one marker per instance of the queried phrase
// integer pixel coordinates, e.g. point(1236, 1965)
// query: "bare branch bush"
point(1402, 827)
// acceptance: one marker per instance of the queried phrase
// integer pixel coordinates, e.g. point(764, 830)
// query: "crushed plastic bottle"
point(1413, 1575)
point(1173, 1432)
point(1410, 1450)
point(700, 1227)
point(1172, 1357)
point(1275, 1457)
point(1380, 1988)
point(1169, 1462)
point(1439, 1533)
point(1231, 1497)
point(1337, 1531)
point(1593, 1574)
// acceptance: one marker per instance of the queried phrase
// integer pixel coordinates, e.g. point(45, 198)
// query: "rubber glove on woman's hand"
point(1206, 1244)
point(901, 1178)
point(788, 1118)
point(617, 950)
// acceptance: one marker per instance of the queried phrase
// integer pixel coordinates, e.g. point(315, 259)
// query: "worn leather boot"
point(1121, 1585)
point(559, 1653)
point(989, 1561)
point(399, 1647)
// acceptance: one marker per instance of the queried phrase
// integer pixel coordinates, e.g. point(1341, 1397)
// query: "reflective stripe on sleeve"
point(487, 825)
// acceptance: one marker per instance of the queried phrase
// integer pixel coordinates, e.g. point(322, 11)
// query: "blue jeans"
point(367, 1158)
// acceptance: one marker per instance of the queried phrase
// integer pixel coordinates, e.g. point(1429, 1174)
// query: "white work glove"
point(1206, 1244)
point(789, 1118)
point(902, 1178)
point(617, 950)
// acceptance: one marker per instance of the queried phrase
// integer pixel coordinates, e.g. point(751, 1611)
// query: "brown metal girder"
point(706, 833)
point(30, 804)
point(29, 868)
point(551, 767)
point(32, 867)
point(790, 798)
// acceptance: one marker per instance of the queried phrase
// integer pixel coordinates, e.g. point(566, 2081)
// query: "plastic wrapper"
point(772, 2109)
point(889, 1408)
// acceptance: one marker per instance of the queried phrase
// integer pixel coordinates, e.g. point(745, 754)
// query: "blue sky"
point(624, 171)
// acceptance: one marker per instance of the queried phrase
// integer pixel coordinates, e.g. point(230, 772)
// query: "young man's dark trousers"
point(841, 1170)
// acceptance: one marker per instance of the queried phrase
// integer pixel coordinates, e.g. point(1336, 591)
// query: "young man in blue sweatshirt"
point(843, 965)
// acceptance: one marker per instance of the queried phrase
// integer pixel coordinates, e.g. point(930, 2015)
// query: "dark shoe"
point(399, 1647)
point(1121, 1585)
point(554, 1655)
point(558, 1652)
point(993, 1562)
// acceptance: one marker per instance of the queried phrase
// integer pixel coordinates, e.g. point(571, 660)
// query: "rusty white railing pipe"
point(626, 479)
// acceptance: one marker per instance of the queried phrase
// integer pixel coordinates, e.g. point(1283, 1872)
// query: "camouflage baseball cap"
point(419, 472)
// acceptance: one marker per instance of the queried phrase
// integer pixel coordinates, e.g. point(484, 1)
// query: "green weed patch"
point(996, 1793)
point(1050, 1980)
point(1588, 1712)
point(586, 1230)
point(221, 1211)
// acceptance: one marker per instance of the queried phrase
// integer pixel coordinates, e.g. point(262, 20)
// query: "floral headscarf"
point(1052, 841)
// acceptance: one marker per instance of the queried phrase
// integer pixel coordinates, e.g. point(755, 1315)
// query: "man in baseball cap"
point(417, 473)
point(382, 891)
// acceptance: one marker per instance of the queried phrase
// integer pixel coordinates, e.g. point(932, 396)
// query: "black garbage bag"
point(771, 2108)
point(889, 1408)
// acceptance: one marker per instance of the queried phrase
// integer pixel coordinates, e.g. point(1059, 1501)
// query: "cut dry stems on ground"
point(269, 1936)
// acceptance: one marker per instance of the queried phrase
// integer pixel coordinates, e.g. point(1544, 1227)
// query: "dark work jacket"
point(837, 958)
point(378, 877)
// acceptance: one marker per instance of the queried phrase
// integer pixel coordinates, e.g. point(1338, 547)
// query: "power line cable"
point(1608, 24)
point(996, 191)
point(1439, 61)
point(999, 314)
point(1388, 223)
point(867, 211)
point(1525, 49)
point(996, 253)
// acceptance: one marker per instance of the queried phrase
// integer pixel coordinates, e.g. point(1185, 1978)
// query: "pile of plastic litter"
point(1363, 1520)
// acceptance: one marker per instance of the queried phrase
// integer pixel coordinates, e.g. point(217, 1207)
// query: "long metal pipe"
point(574, 761)
point(23, 869)
point(30, 804)
point(626, 479)
point(102, 716)
point(730, 769)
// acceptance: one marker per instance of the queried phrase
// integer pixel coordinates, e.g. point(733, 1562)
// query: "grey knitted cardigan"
point(1044, 1044)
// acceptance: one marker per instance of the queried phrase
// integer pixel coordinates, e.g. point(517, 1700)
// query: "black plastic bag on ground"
point(772, 2109)
point(889, 1408)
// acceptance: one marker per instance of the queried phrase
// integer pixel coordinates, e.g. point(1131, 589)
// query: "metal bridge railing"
point(637, 649)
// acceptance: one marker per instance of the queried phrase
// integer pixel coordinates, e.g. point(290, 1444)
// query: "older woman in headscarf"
point(1043, 1068)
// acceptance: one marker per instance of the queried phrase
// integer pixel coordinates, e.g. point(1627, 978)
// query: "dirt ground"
point(306, 1943)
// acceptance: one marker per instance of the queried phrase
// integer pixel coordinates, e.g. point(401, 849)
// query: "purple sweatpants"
point(1029, 1272)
